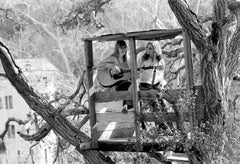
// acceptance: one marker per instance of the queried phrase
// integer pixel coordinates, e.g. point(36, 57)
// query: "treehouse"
point(113, 130)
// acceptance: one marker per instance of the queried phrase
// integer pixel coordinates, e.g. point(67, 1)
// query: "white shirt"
point(146, 76)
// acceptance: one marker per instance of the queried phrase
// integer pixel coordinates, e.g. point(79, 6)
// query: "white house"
point(44, 77)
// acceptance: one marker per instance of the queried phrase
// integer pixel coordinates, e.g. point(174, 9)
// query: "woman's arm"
point(107, 63)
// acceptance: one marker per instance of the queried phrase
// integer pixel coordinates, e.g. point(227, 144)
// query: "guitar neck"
point(144, 68)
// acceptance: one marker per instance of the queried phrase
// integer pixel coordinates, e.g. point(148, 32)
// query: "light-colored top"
point(146, 76)
point(111, 60)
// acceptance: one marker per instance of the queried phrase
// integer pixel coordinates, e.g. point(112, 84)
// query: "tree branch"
point(3, 75)
point(172, 53)
point(45, 129)
point(50, 114)
point(7, 124)
point(190, 23)
point(42, 132)
point(80, 83)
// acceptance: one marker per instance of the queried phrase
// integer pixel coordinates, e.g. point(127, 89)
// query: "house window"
point(11, 131)
point(8, 102)
point(1, 103)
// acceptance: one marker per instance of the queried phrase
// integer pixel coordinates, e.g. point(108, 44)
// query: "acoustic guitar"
point(107, 79)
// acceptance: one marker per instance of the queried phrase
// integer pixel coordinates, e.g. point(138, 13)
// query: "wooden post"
point(188, 61)
point(89, 65)
point(189, 72)
point(133, 54)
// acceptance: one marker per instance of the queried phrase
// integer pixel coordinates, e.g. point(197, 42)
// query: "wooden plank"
point(134, 74)
point(189, 73)
point(107, 132)
point(188, 61)
point(105, 118)
point(113, 106)
point(89, 65)
point(112, 96)
point(178, 159)
point(114, 130)
point(140, 35)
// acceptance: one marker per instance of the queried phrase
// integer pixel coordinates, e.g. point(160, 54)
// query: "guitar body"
point(106, 79)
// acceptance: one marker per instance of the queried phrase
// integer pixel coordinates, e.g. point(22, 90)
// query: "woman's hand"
point(115, 70)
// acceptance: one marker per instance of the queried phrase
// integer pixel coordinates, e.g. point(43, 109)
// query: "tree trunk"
point(219, 61)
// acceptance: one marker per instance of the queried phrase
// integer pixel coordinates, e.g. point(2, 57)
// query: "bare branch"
point(30, 151)
point(45, 129)
point(83, 121)
point(154, 17)
point(173, 42)
point(75, 111)
point(80, 83)
point(175, 73)
point(42, 132)
point(3, 75)
point(7, 124)
point(57, 153)
point(82, 94)
point(2, 146)
point(178, 71)
point(206, 19)
point(172, 53)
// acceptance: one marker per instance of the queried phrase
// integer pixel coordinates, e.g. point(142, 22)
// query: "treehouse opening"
point(113, 130)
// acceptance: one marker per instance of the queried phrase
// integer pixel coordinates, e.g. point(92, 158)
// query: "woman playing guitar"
point(110, 69)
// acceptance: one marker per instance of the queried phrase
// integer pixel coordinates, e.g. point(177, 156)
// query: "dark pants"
point(156, 104)
point(123, 86)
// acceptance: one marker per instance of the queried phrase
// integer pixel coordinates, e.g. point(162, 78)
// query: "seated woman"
point(152, 78)
point(110, 70)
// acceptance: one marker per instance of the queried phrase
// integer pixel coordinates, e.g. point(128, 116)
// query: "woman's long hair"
point(120, 44)
point(157, 51)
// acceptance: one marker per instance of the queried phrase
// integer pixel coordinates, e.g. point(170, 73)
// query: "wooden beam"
point(133, 63)
point(115, 130)
point(140, 35)
point(112, 96)
point(188, 61)
point(178, 159)
point(189, 73)
point(115, 117)
point(89, 65)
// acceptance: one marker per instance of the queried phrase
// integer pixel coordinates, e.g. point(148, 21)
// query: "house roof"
point(34, 67)
point(159, 34)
